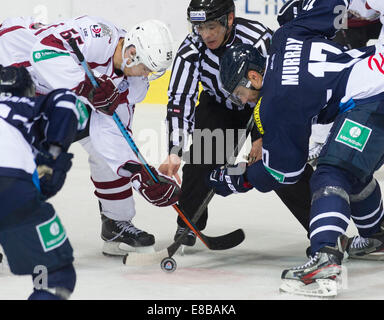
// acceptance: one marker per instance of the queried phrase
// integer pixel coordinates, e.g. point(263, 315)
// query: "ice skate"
point(120, 234)
point(371, 248)
point(343, 240)
point(319, 277)
point(188, 241)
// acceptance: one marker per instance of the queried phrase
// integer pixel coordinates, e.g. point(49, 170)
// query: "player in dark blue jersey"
point(310, 79)
point(215, 28)
point(35, 134)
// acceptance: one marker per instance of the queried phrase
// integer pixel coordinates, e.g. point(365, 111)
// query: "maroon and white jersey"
point(378, 7)
point(53, 65)
point(29, 23)
point(359, 15)
point(16, 41)
point(53, 61)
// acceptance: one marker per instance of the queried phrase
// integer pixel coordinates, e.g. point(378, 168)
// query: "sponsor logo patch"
point(83, 113)
point(96, 31)
point(256, 116)
point(198, 16)
point(353, 135)
point(123, 86)
point(51, 234)
point(47, 54)
point(85, 31)
point(277, 175)
point(100, 30)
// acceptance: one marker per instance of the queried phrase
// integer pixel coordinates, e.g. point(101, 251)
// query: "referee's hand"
point(171, 166)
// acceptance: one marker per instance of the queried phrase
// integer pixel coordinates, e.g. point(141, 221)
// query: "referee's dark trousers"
point(207, 153)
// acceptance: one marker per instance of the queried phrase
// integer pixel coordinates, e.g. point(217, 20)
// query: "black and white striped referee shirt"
point(196, 63)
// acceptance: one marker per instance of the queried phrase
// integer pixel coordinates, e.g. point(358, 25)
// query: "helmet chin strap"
point(227, 33)
point(134, 59)
point(134, 62)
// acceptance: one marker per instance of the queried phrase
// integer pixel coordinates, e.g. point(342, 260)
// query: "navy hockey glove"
point(226, 181)
point(162, 194)
point(52, 172)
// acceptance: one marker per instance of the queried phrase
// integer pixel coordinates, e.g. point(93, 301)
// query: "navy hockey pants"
point(343, 185)
point(31, 233)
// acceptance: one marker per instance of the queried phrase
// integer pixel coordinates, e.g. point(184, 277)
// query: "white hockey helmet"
point(154, 47)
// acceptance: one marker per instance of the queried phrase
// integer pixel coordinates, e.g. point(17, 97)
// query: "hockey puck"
point(168, 265)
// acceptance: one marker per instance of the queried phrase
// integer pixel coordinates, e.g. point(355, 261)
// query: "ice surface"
point(251, 271)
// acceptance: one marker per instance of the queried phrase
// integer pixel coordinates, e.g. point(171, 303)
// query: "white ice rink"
point(251, 271)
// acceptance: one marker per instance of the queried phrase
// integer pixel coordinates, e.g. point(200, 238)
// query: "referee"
point(216, 123)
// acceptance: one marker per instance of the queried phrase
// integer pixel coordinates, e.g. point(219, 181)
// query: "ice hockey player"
point(360, 25)
point(214, 28)
point(35, 134)
point(29, 23)
point(363, 24)
point(377, 6)
point(287, 12)
point(124, 63)
point(307, 79)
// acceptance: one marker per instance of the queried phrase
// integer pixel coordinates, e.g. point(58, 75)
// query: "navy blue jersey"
point(31, 124)
point(51, 119)
point(309, 79)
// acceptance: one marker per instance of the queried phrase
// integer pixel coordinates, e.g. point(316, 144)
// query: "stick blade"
point(225, 242)
point(145, 259)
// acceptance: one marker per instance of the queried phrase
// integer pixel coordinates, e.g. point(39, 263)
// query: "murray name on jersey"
point(308, 79)
point(291, 64)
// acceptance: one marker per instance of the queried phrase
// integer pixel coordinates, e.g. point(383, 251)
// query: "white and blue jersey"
point(28, 125)
point(309, 79)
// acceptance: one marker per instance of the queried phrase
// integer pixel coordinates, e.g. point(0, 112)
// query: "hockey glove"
point(161, 194)
point(105, 98)
point(52, 172)
point(226, 181)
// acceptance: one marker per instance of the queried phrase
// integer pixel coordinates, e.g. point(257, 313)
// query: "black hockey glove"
point(226, 181)
point(52, 172)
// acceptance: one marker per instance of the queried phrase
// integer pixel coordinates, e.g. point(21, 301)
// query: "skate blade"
point(3, 264)
point(324, 288)
point(149, 249)
point(116, 249)
point(376, 256)
point(181, 250)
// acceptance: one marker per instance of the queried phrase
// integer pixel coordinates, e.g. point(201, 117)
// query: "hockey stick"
point(224, 242)
point(161, 256)
point(214, 243)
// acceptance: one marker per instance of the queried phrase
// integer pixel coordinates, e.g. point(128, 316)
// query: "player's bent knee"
point(58, 285)
point(39, 242)
point(321, 188)
point(366, 192)
point(329, 191)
